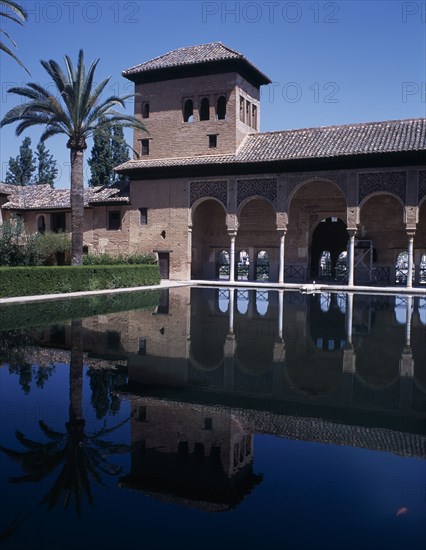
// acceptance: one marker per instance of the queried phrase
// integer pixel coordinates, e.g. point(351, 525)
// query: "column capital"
point(352, 231)
point(232, 232)
point(410, 232)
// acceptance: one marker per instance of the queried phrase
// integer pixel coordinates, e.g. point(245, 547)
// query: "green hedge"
point(29, 281)
point(46, 313)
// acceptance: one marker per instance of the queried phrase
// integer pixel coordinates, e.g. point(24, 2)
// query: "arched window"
point(223, 265)
point(401, 268)
point(41, 224)
point(422, 270)
point(221, 108)
point(205, 109)
point(188, 111)
point(262, 266)
point(341, 266)
point(145, 109)
point(243, 266)
point(325, 264)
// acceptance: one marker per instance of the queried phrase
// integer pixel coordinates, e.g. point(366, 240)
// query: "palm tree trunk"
point(77, 206)
point(76, 371)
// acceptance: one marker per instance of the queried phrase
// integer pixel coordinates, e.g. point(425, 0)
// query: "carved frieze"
point(376, 182)
point(260, 187)
point(217, 189)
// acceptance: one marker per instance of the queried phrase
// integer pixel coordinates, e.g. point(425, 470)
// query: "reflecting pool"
point(214, 418)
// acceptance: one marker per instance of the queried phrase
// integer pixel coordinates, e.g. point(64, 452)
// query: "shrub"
point(17, 247)
point(52, 246)
point(107, 259)
point(25, 281)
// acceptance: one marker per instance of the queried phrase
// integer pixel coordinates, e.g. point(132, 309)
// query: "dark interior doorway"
point(329, 235)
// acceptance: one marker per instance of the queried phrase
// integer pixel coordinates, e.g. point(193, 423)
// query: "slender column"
point(232, 234)
point(410, 259)
point(281, 270)
point(351, 256)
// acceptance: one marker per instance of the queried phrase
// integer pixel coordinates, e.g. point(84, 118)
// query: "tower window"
point(254, 116)
point(145, 109)
point(145, 147)
point(242, 108)
point(212, 141)
point(221, 108)
point(188, 111)
point(248, 113)
point(205, 109)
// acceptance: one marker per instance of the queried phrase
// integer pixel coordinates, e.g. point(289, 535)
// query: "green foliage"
point(49, 244)
point(46, 166)
point(106, 259)
point(76, 111)
point(24, 281)
point(100, 162)
point(17, 247)
point(40, 314)
point(22, 168)
point(27, 170)
point(109, 150)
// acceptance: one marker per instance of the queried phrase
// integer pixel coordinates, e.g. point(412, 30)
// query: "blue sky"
point(331, 62)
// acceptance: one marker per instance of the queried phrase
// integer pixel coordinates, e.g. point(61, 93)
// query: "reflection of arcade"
point(190, 455)
point(276, 346)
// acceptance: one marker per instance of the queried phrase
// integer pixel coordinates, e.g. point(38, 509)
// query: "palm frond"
point(9, 52)
point(16, 8)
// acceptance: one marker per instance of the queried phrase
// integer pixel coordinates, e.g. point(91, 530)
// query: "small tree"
point(46, 166)
point(22, 168)
point(119, 150)
point(109, 150)
point(100, 162)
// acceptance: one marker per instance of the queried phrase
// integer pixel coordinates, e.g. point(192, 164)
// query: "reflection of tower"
point(193, 455)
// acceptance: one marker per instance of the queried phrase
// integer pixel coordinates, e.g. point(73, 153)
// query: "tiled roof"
point(324, 142)
point(43, 197)
point(332, 141)
point(192, 55)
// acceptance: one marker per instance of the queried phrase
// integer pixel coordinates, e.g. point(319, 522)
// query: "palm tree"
point(77, 113)
point(79, 456)
point(18, 15)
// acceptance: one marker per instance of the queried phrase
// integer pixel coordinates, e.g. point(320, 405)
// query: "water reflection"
point(205, 371)
point(75, 456)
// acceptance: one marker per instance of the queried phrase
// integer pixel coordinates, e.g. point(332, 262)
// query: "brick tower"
point(200, 100)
